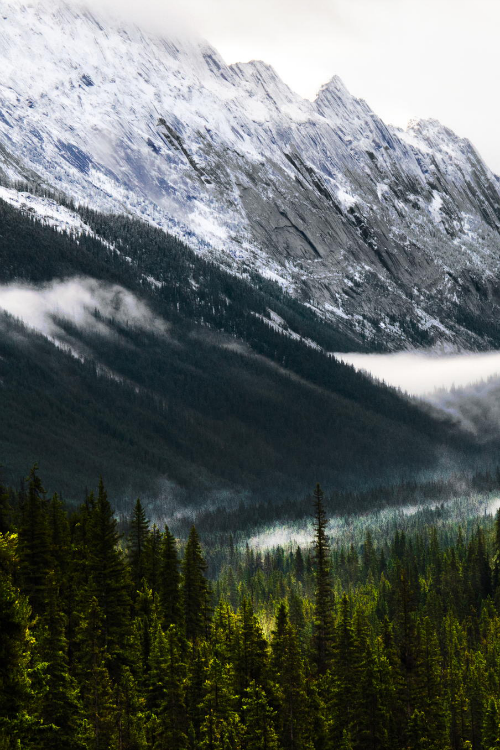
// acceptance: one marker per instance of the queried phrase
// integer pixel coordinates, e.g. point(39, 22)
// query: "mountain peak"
point(335, 98)
point(334, 85)
point(262, 76)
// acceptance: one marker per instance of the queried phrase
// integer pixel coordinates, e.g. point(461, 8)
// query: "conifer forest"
point(249, 375)
point(116, 635)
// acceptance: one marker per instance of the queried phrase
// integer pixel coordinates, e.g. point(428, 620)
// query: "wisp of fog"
point(85, 302)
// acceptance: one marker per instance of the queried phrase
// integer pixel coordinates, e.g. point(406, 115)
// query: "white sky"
point(407, 58)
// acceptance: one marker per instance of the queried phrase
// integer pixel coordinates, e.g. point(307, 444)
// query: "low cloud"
point(421, 373)
point(476, 407)
point(86, 303)
point(466, 386)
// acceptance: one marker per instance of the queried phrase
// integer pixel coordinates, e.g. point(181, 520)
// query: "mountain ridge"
point(391, 235)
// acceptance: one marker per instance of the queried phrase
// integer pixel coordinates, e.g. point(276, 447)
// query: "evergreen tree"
point(428, 689)
point(130, 716)
point(491, 726)
point(152, 559)
point(95, 681)
point(251, 656)
point(5, 511)
point(170, 579)
point(35, 543)
point(16, 644)
point(221, 728)
point(323, 609)
point(60, 706)
point(195, 590)
point(343, 680)
point(173, 715)
point(137, 544)
point(258, 719)
point(294, 722)
point(108, 582)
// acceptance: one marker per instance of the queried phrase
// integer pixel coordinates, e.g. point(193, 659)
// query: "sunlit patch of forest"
point(382, 633)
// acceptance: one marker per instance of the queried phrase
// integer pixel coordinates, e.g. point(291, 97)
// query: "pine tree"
point(221, 728)
point(5, 511)
point(251, 658)
point(169, 722)
point(16, 644)
point(35, 543)
point(152, 559)
point(293, 720)
point(197, 672)
point(323, 608)
point(60, 704)
point(374, 700)
point(137, 543)
point(108, 582)
point(258, 719)
point(60, 552)
point(491, 726)
point(95, 681)
point(195, 590)
point(130, 718)
point(344, 676)
point(170, 580)
point(428, 687)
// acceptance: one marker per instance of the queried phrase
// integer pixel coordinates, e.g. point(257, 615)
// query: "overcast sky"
point(407, 58)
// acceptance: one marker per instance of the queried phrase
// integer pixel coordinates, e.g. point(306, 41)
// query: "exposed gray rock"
point(393, 234)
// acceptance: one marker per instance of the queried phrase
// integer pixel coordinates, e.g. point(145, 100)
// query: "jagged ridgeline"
point(232, 390)
point(391, 233)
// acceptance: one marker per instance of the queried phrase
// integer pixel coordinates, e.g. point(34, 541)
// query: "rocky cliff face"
point(392, 235)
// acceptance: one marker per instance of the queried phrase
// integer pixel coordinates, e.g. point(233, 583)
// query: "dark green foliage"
point(323, 607)
point(108, 584)
point(224, 401)
point(137, 544)
point(412, 655)
point(15, 650)
point(152, 559)
point(60, 704)
point(35, 542)
point(258, 719)
point(5, 511)
point(195, 590)
point(169, 581)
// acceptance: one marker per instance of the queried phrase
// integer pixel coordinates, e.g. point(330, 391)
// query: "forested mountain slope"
point(147, 363)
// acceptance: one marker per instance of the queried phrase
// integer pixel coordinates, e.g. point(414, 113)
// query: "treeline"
point(243, 517)
point(125, 643)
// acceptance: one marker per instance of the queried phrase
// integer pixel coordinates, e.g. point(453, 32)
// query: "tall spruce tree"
point(258, 719)
point(251, 652)
point(16, 645)
point(60, 707)
point(170, 580)
point(5, 511)
point(323, 604)
point(35, 543)
point(195, 590)
point(152, 559)
point(95, 682)
point(137, 544)
point(108, 582)
point(293, 718)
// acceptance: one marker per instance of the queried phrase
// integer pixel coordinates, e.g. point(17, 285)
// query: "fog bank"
point(420, 373)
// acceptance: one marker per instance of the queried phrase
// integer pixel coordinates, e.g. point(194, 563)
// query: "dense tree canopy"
point(114, 642)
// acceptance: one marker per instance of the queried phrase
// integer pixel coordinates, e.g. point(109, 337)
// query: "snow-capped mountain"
point(391, 234)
